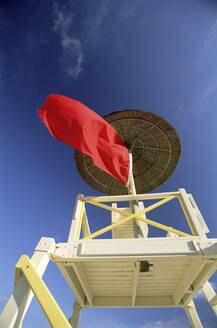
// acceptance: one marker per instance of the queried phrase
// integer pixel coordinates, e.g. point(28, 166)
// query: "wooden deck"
point(99, 278)
point(117, 279)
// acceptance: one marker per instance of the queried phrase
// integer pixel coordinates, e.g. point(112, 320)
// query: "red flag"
point(74, 124)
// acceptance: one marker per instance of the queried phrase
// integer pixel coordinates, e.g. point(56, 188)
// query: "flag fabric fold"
point(76, 125)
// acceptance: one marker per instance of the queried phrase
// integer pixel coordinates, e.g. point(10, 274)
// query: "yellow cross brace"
point(163, 227)
point(48, 304)
point(84, 226)
point(135, 215)
point(115, 209)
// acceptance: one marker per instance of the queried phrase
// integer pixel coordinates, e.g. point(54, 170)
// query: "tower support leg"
point(193, 317)
point(75, 319)
point(210, 295)
point(15, 309)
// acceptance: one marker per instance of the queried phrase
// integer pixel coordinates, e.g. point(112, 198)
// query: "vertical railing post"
point(191, 216)
point(76, 222)
point(193, 317)
point(75, 319)
point(210, 295)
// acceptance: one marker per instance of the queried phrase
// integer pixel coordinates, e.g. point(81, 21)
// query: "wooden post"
point(210, 295)
point(75, 319)
point(193, 317)
point(74, 233)
point(19, 302)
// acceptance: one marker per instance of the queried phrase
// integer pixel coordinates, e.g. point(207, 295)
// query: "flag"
point(76, 125)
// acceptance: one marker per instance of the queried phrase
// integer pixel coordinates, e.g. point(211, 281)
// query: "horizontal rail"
point(123, 198)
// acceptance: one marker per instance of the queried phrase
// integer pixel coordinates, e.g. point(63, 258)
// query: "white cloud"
point(72, 56)
point(80, 38)
point(166, 324)
point(151, 324)
point(3, 298)
point(203, 98)
point(210, 37)
point(72, 53)
point(74, 46)
point(94, 22)
point(208, 91)
point(108, 322)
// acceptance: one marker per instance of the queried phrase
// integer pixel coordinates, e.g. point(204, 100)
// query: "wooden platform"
point(120, 272)
point(106, 272)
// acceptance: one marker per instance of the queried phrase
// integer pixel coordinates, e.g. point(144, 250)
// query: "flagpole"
point(138, 232)
point(132, 187)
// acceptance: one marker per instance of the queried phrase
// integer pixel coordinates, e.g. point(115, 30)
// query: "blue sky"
point(159, 56)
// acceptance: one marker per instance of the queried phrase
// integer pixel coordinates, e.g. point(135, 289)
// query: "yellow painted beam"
point(128, 218)
point(85, 226)
point(48, 304)
point(106, 207)
point(119, 211)
point(163, 227)
point(108, 228)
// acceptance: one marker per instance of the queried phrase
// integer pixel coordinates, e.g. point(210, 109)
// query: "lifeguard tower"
point(129, 269)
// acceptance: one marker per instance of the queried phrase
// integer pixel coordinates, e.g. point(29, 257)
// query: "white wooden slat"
point(156, 291)
point(113, 278)
point(118, 301)
point(155, 288)
point(155, 279)
point(83, 281)
point(159, 284)
point(108, 269)
point(113, 291)
point(130, 261)
point(127, 230)
point(123, 234)
point(167, 291)
point(105, 264)
point(115, 288)
point(108, 273)
point(111, 288)
point(129, 269)
point(119, 277)
point(112, 284)
point(126, 291)
point(155, 294)
point(112, 295)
